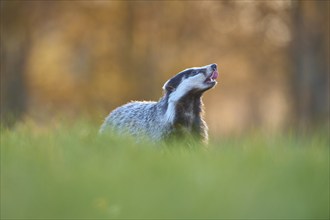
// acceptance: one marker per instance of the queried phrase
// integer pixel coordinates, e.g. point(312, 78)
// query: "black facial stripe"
point(202, 71)
point(174, 82)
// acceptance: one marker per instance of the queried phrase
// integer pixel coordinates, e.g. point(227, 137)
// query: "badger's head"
point(194, 80)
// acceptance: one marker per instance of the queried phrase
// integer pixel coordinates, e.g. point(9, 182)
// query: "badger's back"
point(139, 119)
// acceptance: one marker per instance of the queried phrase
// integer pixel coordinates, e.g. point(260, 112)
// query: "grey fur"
point(177, 115)
point(139, 119)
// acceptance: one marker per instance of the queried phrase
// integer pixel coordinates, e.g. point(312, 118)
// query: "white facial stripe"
point(186, 85)
point(170, 112)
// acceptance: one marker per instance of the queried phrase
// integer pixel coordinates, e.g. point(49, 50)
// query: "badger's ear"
point(167, 87)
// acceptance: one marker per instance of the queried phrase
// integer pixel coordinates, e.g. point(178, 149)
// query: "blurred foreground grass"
point(71, 172)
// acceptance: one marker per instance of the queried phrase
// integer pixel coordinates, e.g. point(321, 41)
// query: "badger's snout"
point(212, 74)
point(214, 66)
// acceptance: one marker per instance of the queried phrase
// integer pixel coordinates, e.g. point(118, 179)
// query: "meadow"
point(69, 171)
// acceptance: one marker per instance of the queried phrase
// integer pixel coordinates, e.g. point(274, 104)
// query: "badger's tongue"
point(215, 75)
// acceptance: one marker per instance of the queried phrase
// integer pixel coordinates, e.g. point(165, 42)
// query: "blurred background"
point(84, 58)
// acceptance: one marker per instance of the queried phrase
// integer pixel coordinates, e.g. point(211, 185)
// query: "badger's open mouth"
point(212, 77)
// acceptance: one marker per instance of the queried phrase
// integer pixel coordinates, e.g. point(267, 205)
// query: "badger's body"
point(177, 115)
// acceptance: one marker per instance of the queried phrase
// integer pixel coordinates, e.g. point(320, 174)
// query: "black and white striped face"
point(196, 79)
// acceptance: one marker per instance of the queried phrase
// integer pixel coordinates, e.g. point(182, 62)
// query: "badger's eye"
point(194, 72)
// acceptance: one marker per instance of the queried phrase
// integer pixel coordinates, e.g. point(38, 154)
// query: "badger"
point(177, 115)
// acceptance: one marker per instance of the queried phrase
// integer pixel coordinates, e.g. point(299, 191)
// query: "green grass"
point(71, 172)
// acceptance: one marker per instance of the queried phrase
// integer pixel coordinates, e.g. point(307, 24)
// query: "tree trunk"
point(14, 51)
point(310, 51)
